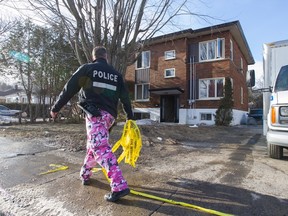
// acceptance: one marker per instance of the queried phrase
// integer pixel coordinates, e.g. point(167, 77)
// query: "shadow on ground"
point(217, 197)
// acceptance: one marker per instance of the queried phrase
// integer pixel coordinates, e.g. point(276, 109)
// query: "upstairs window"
point(143, 60)
point(211, 50)
point(171, 54)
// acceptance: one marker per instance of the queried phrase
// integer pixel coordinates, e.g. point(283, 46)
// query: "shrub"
point(224, 113)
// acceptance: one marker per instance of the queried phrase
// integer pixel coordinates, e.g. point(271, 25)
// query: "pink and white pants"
point(99, 151)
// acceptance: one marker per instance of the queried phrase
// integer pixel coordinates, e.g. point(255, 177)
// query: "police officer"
point(101, 87)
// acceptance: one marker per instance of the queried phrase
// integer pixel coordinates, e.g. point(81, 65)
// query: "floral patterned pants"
point(99, 151)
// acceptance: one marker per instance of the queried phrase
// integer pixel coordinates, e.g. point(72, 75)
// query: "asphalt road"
point(235, 177)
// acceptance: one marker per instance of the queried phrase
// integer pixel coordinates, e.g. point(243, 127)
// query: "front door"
point(169, 111)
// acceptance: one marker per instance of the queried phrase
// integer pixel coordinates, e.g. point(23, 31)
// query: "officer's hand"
point(53, 114)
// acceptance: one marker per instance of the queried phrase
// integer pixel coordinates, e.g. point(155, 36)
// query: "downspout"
point(194, 85)
point(190, 93)
point(192, 82)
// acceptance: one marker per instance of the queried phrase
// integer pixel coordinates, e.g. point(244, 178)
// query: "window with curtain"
point(143, 60)
point(211, 88)
point(211, 50)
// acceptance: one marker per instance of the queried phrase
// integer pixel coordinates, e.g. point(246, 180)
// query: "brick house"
point(180, 77)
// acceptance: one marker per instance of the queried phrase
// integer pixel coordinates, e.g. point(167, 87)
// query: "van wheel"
point(275, 151)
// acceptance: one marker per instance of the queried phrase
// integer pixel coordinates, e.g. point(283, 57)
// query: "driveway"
point(226, 171)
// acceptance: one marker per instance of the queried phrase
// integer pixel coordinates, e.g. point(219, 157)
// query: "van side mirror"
point(270, 89)
point(250, 78)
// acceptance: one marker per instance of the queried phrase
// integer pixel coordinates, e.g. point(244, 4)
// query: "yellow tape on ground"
point(210, 211)
point(56, 169)
point(131, 143)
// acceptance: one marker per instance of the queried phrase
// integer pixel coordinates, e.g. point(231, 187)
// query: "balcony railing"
point(142, 75)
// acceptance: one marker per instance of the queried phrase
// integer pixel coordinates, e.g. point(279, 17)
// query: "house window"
point(241, 65)
point(143, 60)
point(211, 88)
point(206, 116)
point(171, 54)
point(169, 72)
point(142, 81)
point(211, 50)
point(231, 50)
point(141, 92)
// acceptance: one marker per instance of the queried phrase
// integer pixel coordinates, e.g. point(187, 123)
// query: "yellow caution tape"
point(56, 169)
point(131, 143)
point(210, 211)
point(96, 169)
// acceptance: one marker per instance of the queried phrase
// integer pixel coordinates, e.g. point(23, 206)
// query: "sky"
point(262, 21)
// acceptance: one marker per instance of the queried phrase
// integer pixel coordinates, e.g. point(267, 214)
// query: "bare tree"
point(122, 26)
point(5, 25)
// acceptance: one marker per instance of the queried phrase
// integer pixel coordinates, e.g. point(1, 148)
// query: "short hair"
point(99, 52)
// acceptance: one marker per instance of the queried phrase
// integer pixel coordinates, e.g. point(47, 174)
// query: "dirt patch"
point(159, 140)
point(221, 168)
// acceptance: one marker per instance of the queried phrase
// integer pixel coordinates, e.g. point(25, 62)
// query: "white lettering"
point(115, 78)
point(95, 73)
point(105, 75)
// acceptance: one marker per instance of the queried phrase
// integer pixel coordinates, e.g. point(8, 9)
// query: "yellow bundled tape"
point(131, 143)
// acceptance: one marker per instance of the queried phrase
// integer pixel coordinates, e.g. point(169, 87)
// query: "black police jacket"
point(100, 85)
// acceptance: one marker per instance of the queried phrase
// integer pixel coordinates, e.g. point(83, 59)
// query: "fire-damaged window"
point(211, 88)
point(211, 50)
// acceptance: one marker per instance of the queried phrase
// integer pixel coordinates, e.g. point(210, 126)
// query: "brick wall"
point(157, 74)
point(212, 69)
point(158, 64)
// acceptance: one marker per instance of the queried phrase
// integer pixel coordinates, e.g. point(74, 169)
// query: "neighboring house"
point(180, 77)
point(11, 95)
point(17, 95)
